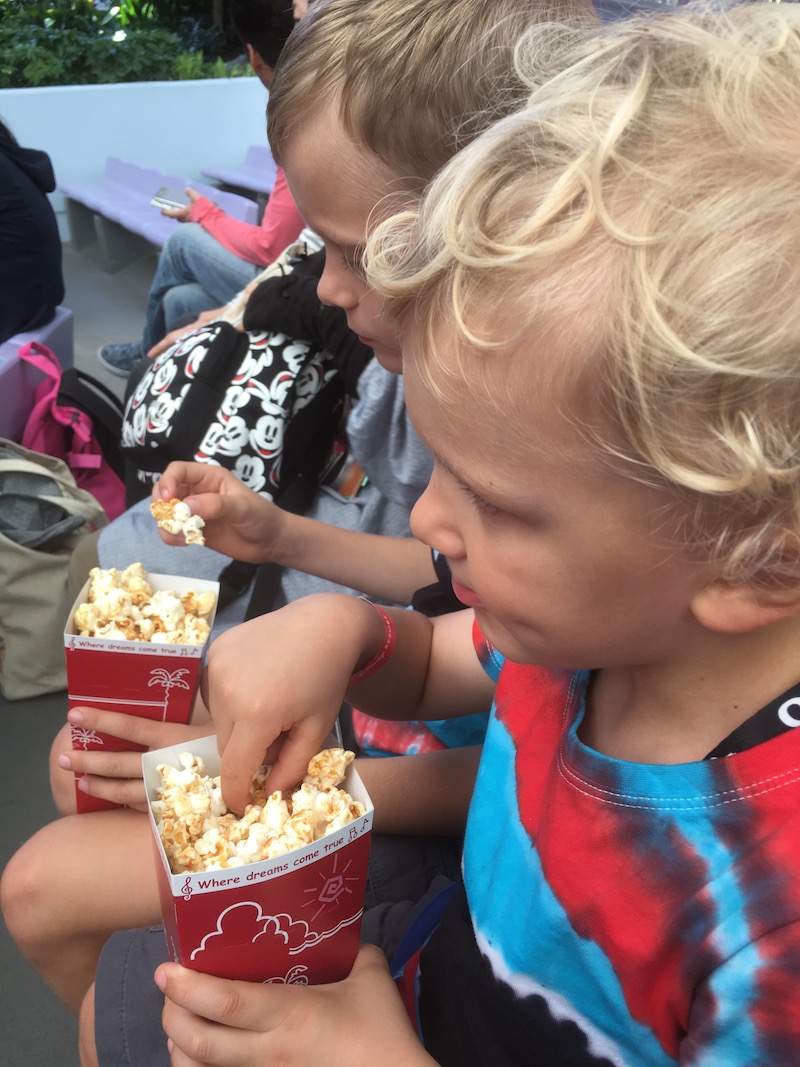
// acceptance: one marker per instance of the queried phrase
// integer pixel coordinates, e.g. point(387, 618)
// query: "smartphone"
point(167, 197)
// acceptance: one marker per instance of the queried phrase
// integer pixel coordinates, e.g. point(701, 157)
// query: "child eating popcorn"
point(600, 321)
point(345, 170)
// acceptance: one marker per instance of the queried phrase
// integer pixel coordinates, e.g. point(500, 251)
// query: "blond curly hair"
point(647, 198)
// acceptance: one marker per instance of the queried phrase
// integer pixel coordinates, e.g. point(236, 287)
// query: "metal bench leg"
point(118, 246)
point(81, 224)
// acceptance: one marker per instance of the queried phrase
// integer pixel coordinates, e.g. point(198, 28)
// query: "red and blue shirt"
point(617, 913)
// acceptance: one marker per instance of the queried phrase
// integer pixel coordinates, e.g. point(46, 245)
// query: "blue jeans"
point(194, 273)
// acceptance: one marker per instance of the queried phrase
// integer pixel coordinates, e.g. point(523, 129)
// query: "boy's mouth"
point(466, 595)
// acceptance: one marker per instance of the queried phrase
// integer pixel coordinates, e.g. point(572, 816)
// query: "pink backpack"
point(76, 419)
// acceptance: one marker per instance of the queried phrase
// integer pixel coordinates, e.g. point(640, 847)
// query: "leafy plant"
point(56, 42)
point(131, 12)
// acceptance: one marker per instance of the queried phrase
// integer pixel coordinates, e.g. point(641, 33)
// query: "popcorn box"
point(293, 919)
point(155, 681)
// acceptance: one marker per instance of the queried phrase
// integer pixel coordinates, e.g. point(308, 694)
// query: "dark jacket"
point(31, 283)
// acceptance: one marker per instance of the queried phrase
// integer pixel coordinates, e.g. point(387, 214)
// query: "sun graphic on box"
point(333, 889)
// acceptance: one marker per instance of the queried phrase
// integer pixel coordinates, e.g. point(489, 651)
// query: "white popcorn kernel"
point(329, 767)
point(175, 517)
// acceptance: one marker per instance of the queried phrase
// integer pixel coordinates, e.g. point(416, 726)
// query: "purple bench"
point(18, 380)
point(257, 173)
point(116, 214)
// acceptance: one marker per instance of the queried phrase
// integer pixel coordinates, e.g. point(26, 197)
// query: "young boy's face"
point(563, 559)
point(336, 187)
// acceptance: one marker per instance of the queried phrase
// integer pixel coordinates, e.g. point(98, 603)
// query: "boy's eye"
point(353, 261)
point(479, 502)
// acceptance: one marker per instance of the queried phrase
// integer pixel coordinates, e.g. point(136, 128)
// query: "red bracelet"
point(384, 652)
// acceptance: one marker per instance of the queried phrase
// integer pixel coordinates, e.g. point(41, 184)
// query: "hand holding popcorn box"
point(135, 643)
point(275, 896)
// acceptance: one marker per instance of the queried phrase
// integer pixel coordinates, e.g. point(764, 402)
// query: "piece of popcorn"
point(329, 767)
point(175, 517)
point(134, 581)
point(199, 604)
point(354, 810)
point(86, 618)
point(101, 582)
point(165, 606)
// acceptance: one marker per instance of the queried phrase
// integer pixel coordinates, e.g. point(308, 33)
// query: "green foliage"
point(132, 12)
point(80, 42)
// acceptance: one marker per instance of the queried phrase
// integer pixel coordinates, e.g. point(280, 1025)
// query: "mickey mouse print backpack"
point(262, 405)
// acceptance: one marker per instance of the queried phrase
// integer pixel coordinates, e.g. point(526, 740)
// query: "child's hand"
point(238, 522)
point(117, 776)
point(275, 685)
point(361, 1021)
point(183, 214)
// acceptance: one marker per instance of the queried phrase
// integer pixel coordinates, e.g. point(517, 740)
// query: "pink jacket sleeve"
point(262, 244)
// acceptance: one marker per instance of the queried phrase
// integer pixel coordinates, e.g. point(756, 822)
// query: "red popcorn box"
point(145, 678)
point(293, 919)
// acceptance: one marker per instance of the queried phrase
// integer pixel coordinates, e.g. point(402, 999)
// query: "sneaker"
point(120, 359)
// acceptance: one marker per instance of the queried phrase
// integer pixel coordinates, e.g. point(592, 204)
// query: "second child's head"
point(601, 330)
point(263, 27)
point(369, 100)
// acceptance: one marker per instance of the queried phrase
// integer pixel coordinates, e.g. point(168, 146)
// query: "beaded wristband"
point(384, 652)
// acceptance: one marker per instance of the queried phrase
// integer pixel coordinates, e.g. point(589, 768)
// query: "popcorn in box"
point(294, 918)
point(157, 678)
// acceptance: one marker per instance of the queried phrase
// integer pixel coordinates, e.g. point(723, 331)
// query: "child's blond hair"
point(647, 198)
point(411, 80)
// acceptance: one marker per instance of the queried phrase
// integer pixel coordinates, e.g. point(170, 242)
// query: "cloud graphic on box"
point(292, 932)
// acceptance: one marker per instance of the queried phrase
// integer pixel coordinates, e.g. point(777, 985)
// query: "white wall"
point(178, 127)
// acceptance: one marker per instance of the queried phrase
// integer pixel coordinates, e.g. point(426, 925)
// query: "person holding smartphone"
point(205, 263)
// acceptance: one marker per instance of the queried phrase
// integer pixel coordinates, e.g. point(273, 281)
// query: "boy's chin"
point(389, 359)
point(504, 641)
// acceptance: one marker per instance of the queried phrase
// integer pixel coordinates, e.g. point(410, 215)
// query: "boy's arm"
point(388, 568)
point(425, 793)
point(359, 1021)
point(275, 684)
point(247, 527)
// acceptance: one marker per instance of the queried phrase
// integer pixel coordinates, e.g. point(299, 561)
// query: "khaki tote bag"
point(34, 598)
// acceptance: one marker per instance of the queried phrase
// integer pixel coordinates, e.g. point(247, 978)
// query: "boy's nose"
point(432, 524)
point(333, 289)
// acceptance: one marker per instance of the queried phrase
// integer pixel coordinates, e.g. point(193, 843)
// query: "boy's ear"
point(262, 70)
point(736, 609)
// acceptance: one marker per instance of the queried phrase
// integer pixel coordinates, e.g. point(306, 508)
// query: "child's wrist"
point(382, 643)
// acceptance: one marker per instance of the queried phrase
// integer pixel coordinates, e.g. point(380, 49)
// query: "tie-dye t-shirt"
point(617, 913)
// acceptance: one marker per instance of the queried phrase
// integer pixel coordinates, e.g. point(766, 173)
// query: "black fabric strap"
point(297, 498)
point(310, 435)
point(777, 717)
point(206, 393)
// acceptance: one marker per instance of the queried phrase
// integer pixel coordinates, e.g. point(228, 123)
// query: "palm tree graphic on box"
point(169, 680)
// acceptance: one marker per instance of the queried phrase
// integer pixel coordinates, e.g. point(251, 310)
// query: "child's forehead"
point(331, 174)
point(501, 354)
point(537, 384)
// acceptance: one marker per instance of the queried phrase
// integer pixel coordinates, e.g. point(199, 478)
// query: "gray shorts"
point(128, 1003)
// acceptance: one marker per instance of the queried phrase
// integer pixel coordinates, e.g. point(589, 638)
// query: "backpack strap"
point(206, 394)
point(87, 394)
point(41, 357)
point(296, 498)
point(80, 390)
